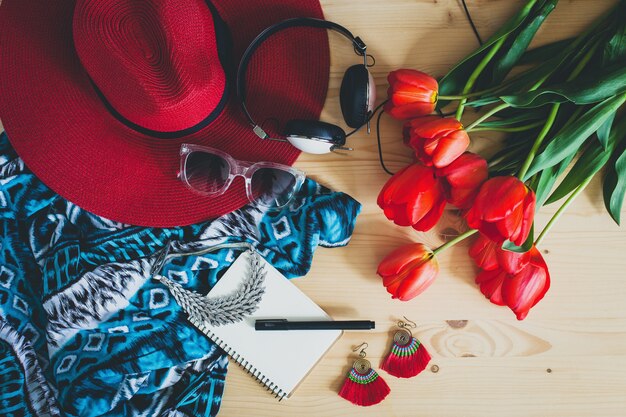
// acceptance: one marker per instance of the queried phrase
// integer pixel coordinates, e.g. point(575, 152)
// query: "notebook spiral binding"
point(245, 365)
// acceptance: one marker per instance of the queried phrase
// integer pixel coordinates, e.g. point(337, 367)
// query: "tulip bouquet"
point(559, 105)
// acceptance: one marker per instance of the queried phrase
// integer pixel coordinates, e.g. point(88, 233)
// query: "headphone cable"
point(380, 149)
point(380, 111)
point(369, 118)
point(471, 22)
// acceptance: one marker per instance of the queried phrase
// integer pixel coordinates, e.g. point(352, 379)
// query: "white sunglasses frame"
point(238, 168)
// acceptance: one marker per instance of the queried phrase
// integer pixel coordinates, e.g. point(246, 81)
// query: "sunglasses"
point(210, 172)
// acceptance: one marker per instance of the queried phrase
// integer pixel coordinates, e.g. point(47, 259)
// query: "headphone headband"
point(359, 48)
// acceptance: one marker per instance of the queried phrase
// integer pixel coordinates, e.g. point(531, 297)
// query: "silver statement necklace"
point(216, 311)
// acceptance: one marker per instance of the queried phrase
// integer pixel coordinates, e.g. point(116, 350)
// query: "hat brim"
point(65, 135)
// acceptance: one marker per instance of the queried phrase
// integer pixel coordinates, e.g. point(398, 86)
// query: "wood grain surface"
point(568, 358)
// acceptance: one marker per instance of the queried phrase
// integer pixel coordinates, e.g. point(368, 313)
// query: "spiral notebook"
point(280, 360)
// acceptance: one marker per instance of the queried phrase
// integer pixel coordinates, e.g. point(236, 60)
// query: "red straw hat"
point(96, 96)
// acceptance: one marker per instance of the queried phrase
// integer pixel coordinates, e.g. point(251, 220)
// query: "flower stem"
point(509, 129)
point(454, 241)
point(474, 76)
point(486, 116)
point(544, 132)
point(561, 209)
point(452, 98)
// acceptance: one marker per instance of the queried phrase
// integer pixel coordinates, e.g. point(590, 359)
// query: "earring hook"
point(410, 323)
point(407, 325)
point(362, 353)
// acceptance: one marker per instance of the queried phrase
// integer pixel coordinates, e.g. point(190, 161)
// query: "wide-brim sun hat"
point(97, 96)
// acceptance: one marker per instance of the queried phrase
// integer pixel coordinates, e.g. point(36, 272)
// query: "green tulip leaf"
point(516, 146)
point(518, 45)
point(523, 117)
point(604, 132)
point(593, 89)
point(547, 178)
point(523, 81)
point(545, 52)
point(556, 66)
point(615, 49)
point(614, 187)
point(528, 243)
point(454, 81)
point(569, 139)
point(587, 165)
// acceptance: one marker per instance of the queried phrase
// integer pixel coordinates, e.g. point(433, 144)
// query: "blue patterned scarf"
point(85, 331)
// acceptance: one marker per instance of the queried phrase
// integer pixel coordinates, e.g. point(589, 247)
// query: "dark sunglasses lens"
point(273, 187)
point(206, 172)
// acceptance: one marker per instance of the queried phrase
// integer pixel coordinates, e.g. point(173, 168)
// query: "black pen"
point(284, 324)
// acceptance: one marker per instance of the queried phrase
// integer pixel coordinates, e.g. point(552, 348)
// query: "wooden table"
point(568, 358)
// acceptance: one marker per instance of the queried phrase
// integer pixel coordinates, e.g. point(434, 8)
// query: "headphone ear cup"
point(314, 136)
point(354, 95)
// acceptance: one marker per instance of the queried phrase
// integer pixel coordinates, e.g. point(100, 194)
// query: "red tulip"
point(503, 209)
point(409, 125)
point(520, 291)
point(462, 179)
point(408, 271)
point(489, 255)
point(490, 284)
point(437, 140)
point(411, 94)
point(413, 197)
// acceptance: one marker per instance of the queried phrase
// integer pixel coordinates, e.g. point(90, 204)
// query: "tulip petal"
point(438, 126)
point(483, 251)
point(414, 77)
point(528, 217)
point(386, 193)
point(408, 126)
point(499, 197)
point(526, 288)
point(409, 111)
point(490, 230)
point(417, 144)
point(398, 215)
point(537, 260)
point(421, 205)
point(432, 217)
point(399, 258)
point(418, 280)
point(512, 262)
point(490, 284)
point(416, 179)
point(429, 145)
point(401, 94)
point(509, 226)
point(450, 147)
point(393, 288)
point(467, 171)
point(403, 184)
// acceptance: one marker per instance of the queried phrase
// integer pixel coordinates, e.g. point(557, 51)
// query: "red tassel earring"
point(408, 357)
point(364, 386)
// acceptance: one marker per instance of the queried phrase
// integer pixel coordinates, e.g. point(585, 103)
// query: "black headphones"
point(357, 94)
